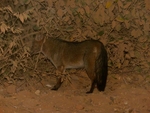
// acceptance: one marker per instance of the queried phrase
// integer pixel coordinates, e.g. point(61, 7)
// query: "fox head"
point(37, 45)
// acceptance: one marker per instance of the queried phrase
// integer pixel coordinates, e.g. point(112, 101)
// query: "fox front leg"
point(58, 84)
point(59, 72)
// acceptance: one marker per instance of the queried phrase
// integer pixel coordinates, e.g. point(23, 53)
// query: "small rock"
point(79, 107)
point(37, 92)
point(115, 110)
point(48, 85)
point(125, 102)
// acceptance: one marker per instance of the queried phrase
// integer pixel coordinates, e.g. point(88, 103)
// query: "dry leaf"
point(146, 26)
point(60, 13)
point(132, 54)
point(120, 5)
point(127, 56)
point(113, 24)
point(16, 30)
point(67, 18)
point(133, 32)
point(9, 9)
point(12, 44)
point(127, 5)
point(141, 13)
point(87, 10)
point(6, 16)
point(25, 16)
point(88, 2)
point(27, 2)
point(15, 2)
point(133, 12)
point(96, 17)
point(61, 2)
point(4, 28)
point(139, 22)
point(79, 31)
point(50, 2)
point(120, 18)
point(118, 27)
point(126, 63)
point(16, 14)
point(101, 20)
point(111, 13)
point(81, 11)
point(88, 33)
point(100, 17)
point(14, 65)
point(21, 17)
point(145, 64)
point(142, 39)
point(136, 33)
point(71, 3)
point(118, 64)
point(101, 9)
point(147, 4)
point(109, 4)
point(127, 24)
point(2, 51)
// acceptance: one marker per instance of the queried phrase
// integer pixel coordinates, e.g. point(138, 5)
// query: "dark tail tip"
point(102, 70)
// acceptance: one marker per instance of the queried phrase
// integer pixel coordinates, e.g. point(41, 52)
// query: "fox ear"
point(39, 37)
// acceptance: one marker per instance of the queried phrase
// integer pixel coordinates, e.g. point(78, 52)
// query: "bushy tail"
point(102, 69)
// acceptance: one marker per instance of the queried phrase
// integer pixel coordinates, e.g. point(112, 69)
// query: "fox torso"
point(89, 54)
point(68, 54)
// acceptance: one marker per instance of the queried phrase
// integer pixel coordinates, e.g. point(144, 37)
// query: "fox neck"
point(45, 46)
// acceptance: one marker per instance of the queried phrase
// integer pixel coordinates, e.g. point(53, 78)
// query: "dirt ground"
point(125, 93)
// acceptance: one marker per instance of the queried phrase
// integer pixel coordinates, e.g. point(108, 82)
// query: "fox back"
point(89, 54)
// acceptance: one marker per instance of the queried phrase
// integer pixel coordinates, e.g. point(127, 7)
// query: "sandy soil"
point(125, 93)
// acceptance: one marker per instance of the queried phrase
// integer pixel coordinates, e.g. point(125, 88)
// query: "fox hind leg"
point(90, 69)
point(92, 87)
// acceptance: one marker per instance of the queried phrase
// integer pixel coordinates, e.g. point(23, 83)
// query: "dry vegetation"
point(122, 25)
